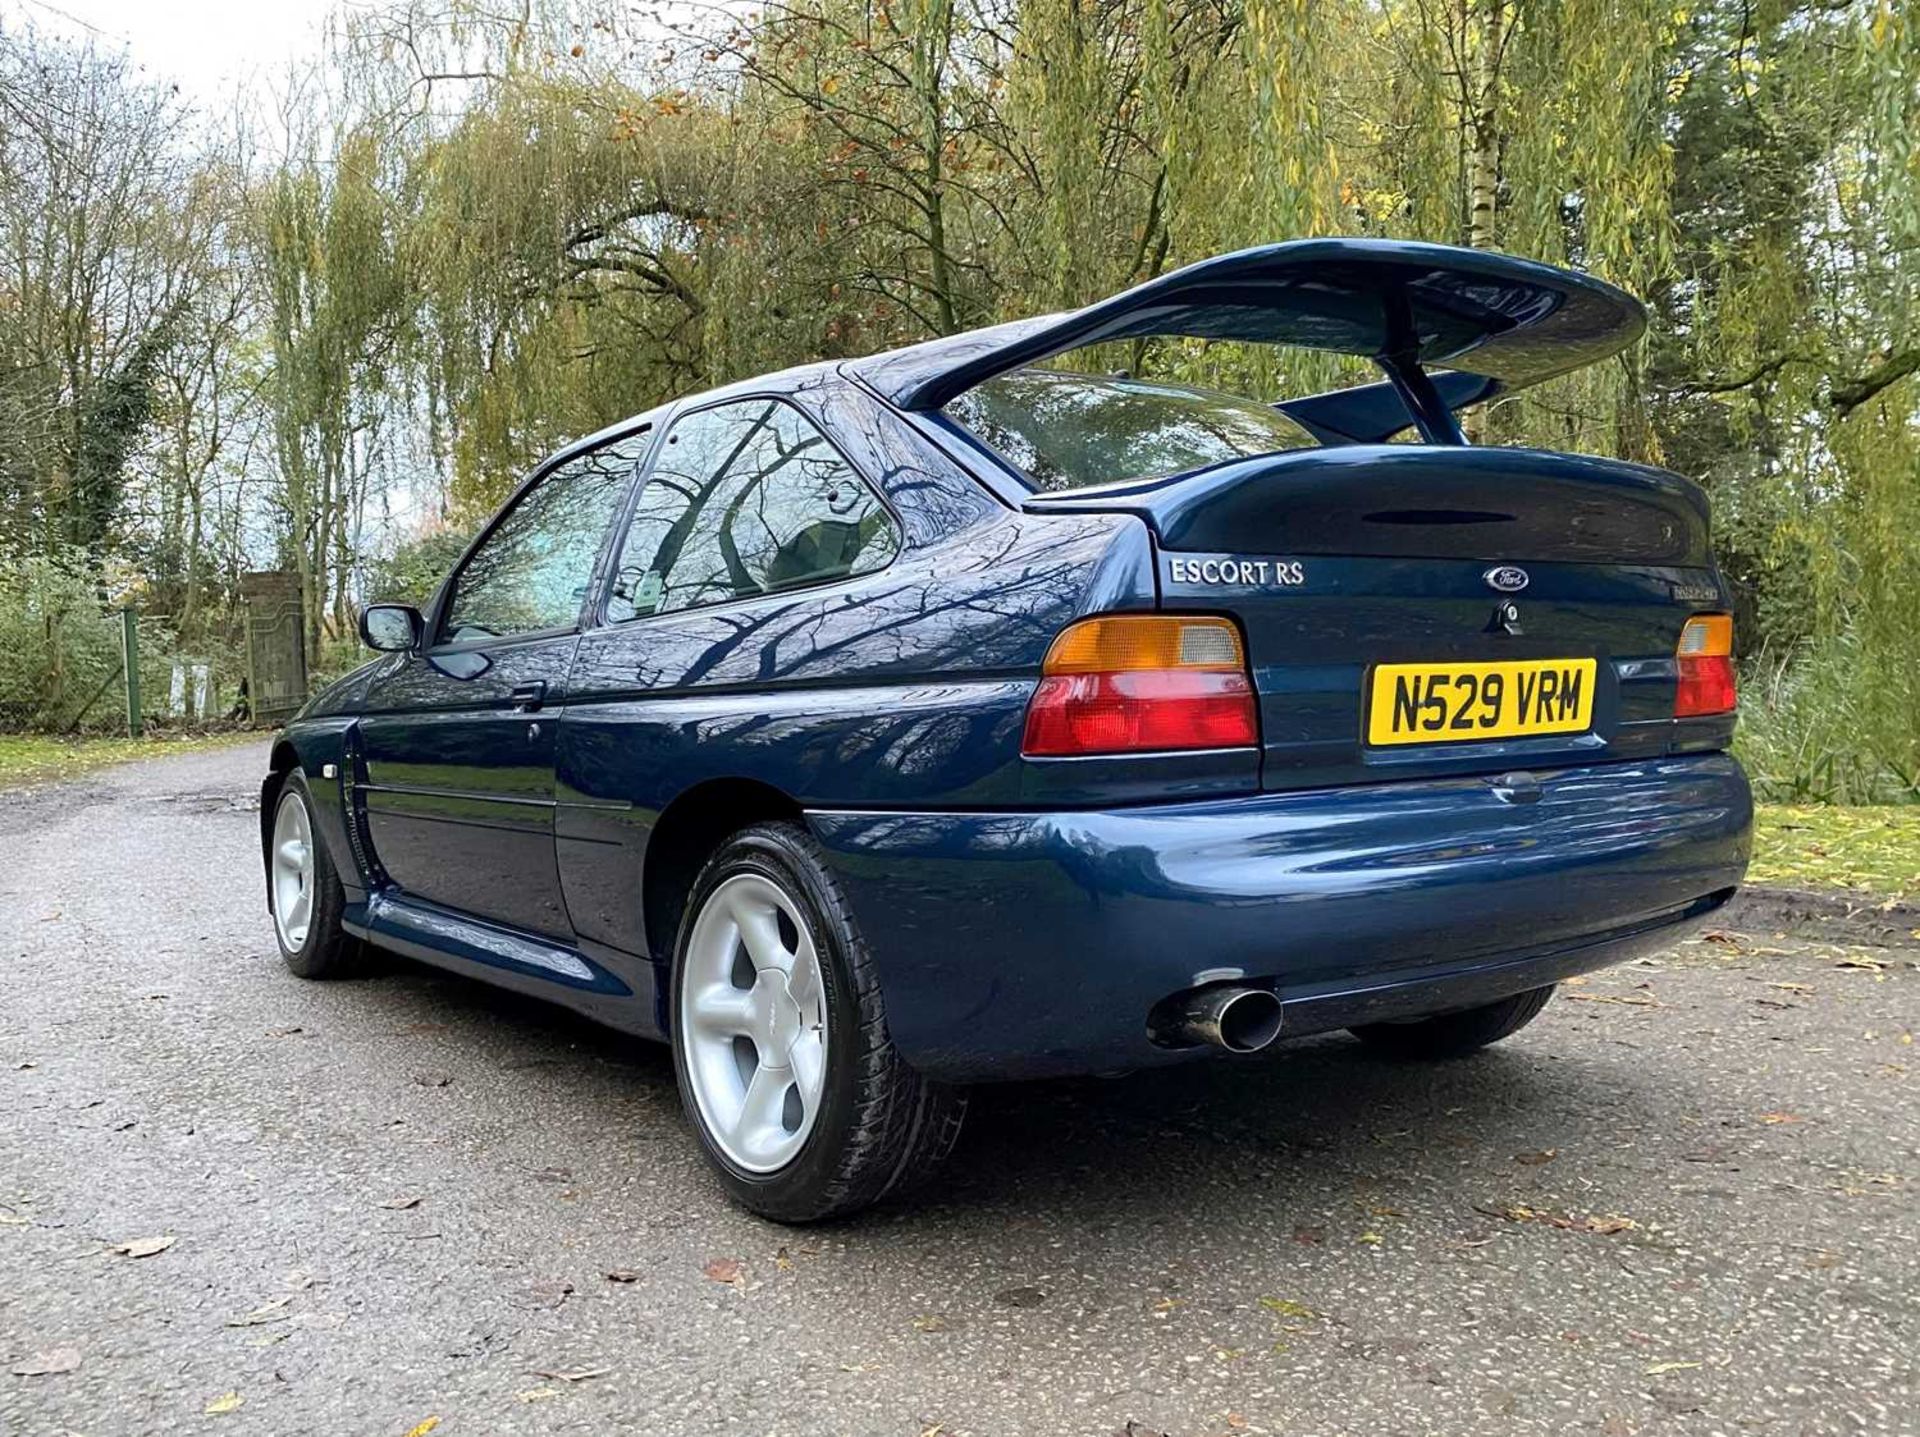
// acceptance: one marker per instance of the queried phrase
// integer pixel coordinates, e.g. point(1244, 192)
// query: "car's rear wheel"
point(305, 893)
point(780, 1040)
point(1454, 1035)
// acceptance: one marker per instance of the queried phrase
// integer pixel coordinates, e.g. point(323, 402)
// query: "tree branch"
point(1846, 395)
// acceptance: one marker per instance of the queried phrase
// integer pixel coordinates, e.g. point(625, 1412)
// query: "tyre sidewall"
point(773, 852)
point(310, 960)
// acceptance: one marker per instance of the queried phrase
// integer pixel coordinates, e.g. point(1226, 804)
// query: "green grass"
point(32, 759)
point(1870, 849)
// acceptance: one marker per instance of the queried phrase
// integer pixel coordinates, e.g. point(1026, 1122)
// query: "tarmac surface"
point(1683, 1200)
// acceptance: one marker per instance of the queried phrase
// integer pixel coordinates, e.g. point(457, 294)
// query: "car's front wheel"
point(1454, 1035)
point(304, 891)
point(780, 1040)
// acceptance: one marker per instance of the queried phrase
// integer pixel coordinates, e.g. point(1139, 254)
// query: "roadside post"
point(130, 661)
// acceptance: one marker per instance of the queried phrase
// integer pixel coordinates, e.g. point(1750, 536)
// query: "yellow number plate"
point(1457, 703)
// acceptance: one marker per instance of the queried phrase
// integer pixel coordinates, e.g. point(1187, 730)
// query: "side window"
point(746, 499)
point(533, 570)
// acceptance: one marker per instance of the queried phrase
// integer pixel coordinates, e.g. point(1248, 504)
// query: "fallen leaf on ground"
point(143, 1246)
point(433, 1080)
point(1781, 1117)
point(1287, 1307)
point(1793, 987)
point(724, 1269)
point(422, 1428)
point(401, 1204)
point(537, 1394)
point(1535, 1159)
point(1566, 1222)
point(582, 1374)
point(1861, 960)
point(1660, 1367)
point(624, 1274)
point(1612, 1223)
point(550, 1293)
point(1626, 1000)
point(226, 1402)
point(1020, 1297)
point(48, 1363)
point(274, 1311)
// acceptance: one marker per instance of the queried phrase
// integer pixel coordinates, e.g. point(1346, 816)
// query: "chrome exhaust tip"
point(1240, 1020)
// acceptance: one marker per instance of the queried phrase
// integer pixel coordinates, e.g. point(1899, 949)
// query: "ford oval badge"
point(1506, 579)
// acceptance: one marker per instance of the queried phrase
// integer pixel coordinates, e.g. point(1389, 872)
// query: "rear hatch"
point(1412, 611)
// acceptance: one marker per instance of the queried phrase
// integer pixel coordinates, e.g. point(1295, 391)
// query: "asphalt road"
point(1682, 1201)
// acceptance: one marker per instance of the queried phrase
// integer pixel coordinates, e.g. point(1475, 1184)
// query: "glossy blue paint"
point(1027, 914)
point(1020, 944)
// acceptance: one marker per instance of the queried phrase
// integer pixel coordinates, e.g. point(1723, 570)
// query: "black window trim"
point(443, 598)
point(597, 617)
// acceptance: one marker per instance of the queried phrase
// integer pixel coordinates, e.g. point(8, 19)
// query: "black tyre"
point(1454, 1035)
point(780, 1041)
point(303, 890)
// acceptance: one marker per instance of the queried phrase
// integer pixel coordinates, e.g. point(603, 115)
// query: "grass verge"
point(32, 759)
point(1870, 849)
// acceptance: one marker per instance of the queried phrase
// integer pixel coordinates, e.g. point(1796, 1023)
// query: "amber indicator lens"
point(1133, 683)
point(1705, 656)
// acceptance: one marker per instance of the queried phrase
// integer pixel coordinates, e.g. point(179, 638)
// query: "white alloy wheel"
point(753, 1022)
point(292, 871)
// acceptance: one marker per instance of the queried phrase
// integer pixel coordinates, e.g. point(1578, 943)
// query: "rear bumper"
point(1023, 944)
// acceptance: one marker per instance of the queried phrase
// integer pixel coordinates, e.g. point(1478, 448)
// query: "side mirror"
point(391, 628)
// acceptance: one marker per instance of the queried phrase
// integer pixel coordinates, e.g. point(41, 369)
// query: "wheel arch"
point(685, 836)
point(280, 762)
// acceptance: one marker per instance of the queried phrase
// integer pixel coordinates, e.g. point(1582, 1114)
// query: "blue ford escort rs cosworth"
point(876, 728)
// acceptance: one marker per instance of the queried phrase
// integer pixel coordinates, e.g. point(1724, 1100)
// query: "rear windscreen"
point(1070, 431)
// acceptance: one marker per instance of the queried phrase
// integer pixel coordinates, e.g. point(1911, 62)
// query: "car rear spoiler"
point(1406, 305)
point(1373, 413)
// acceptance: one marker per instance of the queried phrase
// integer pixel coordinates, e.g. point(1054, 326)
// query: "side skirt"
point(602, 983)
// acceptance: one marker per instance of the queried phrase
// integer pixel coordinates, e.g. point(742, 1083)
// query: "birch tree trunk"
point(1484, 41)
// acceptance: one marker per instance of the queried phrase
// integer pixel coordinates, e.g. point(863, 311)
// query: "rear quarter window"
point(1071, 431)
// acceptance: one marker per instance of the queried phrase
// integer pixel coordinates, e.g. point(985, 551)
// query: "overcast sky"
point(207, 47)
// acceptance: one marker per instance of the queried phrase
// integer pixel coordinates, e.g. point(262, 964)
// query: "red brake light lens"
point(1705, 655)
point(1133, 683)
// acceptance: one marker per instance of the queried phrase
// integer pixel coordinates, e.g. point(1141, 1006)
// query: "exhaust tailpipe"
point(1241, 1020)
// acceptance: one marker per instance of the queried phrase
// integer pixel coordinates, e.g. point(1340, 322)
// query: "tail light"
point(1128, 683)
point(1706, 667)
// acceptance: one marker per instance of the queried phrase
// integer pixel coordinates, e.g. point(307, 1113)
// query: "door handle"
point(528, 697)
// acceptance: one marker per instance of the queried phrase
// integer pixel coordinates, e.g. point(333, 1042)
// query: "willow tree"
point(338, 301)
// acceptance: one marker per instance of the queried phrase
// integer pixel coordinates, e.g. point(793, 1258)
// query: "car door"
point(747, 507)
point(457, 740)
